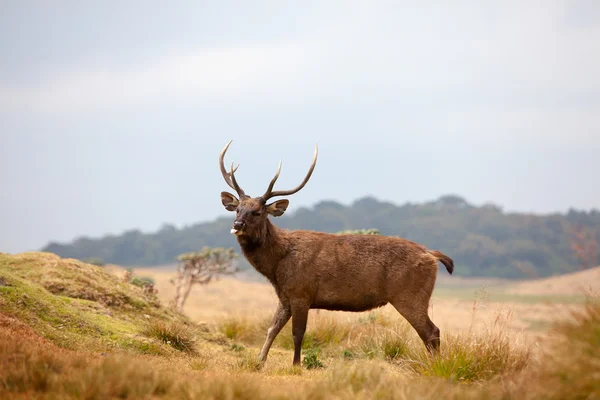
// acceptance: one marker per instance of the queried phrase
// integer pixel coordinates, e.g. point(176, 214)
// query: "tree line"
point(482, 240)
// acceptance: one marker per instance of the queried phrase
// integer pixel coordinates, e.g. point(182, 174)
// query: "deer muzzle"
point(237, 227)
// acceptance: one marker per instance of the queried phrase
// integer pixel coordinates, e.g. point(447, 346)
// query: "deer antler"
point(229, 176)
point(269, 193)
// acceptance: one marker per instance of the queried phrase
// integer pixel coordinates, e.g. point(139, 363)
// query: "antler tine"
point(228, 175)
point(299, 187)
point(237, 187)
point(272, 183)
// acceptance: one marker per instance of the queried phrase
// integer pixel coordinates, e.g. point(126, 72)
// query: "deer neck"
point(265, 249)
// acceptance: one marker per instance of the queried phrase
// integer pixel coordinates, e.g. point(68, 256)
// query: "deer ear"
point(229, 201)
point(277, 208)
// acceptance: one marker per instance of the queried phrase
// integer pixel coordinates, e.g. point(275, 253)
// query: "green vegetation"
point(483, 241)
point(141, 281)
point(79, 306)
point(311, 360)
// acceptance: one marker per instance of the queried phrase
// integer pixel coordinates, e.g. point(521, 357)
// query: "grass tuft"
point(249, 362)
point(394, 346)
point(173, 333)
point(474, 357)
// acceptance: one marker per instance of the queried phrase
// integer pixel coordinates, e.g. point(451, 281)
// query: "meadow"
point(73, 330)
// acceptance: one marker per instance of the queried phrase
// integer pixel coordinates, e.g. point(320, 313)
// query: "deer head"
point(252, 212)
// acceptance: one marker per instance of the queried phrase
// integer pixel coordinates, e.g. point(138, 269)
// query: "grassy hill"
point(483, 241)
point(74, 330)
point(79, 306)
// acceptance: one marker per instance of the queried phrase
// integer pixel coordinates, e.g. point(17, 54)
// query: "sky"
point(113, 114)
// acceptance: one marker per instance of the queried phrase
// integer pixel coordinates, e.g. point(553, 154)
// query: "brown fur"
point(335, 272)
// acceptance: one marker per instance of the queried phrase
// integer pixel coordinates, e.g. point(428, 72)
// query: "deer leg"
point(420, 321)
point(299, 318)
point(281, 317)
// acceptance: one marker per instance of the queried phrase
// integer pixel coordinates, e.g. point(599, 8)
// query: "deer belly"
point(356, 301)
point(350, 289)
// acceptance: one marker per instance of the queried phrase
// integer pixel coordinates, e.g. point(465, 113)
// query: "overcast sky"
point(112, 114)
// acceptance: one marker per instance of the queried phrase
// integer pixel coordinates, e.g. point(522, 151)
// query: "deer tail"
point(447, 261)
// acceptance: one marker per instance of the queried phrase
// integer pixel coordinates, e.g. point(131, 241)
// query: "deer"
point(318, 270)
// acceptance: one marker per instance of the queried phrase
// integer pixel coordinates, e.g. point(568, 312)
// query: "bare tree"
point(200, 268)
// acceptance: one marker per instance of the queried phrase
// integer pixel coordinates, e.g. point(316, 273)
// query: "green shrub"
point(311, 360)
point(141, 281)
point(237, 347)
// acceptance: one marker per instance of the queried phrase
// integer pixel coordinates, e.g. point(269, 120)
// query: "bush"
point(142, 281)
point(311, 360)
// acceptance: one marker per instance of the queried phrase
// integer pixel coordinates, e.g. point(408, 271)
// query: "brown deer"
point(329, 271)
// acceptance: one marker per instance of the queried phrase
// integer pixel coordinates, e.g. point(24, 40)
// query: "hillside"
point(483, 241)
point(79, 306)
point(579, 282)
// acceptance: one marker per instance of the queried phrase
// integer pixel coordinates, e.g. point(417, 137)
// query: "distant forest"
point(483, 241)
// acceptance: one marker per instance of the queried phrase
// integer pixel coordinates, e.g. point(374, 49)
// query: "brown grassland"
point(73, 330)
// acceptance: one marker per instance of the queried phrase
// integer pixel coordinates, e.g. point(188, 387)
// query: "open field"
point(73, 330)
point(458, 304)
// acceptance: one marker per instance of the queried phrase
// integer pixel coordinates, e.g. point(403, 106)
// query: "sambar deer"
point(330, 271)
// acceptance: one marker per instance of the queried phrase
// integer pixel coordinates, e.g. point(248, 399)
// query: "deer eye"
point(256, 213)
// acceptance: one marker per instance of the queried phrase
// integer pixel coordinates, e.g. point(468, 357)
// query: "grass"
point(572, 369)
point(470, 357)
point(321, 332)
point(311, 360)
point(249, 362)
point(499, 294)
point(173, 333)
point(237, 328)
point(33, 365)
point(79, 306)
point(375, 341)
point(91, 346)
point(476, 357)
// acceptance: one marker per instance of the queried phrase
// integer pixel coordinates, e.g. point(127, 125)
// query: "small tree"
point(200, 268)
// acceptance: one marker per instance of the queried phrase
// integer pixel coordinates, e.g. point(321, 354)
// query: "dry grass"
point(452, 301)
point(33, 367)
point(173, 333)
point(368, 355)
point(574, 283)
point(572, 368)
point(469, 357)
